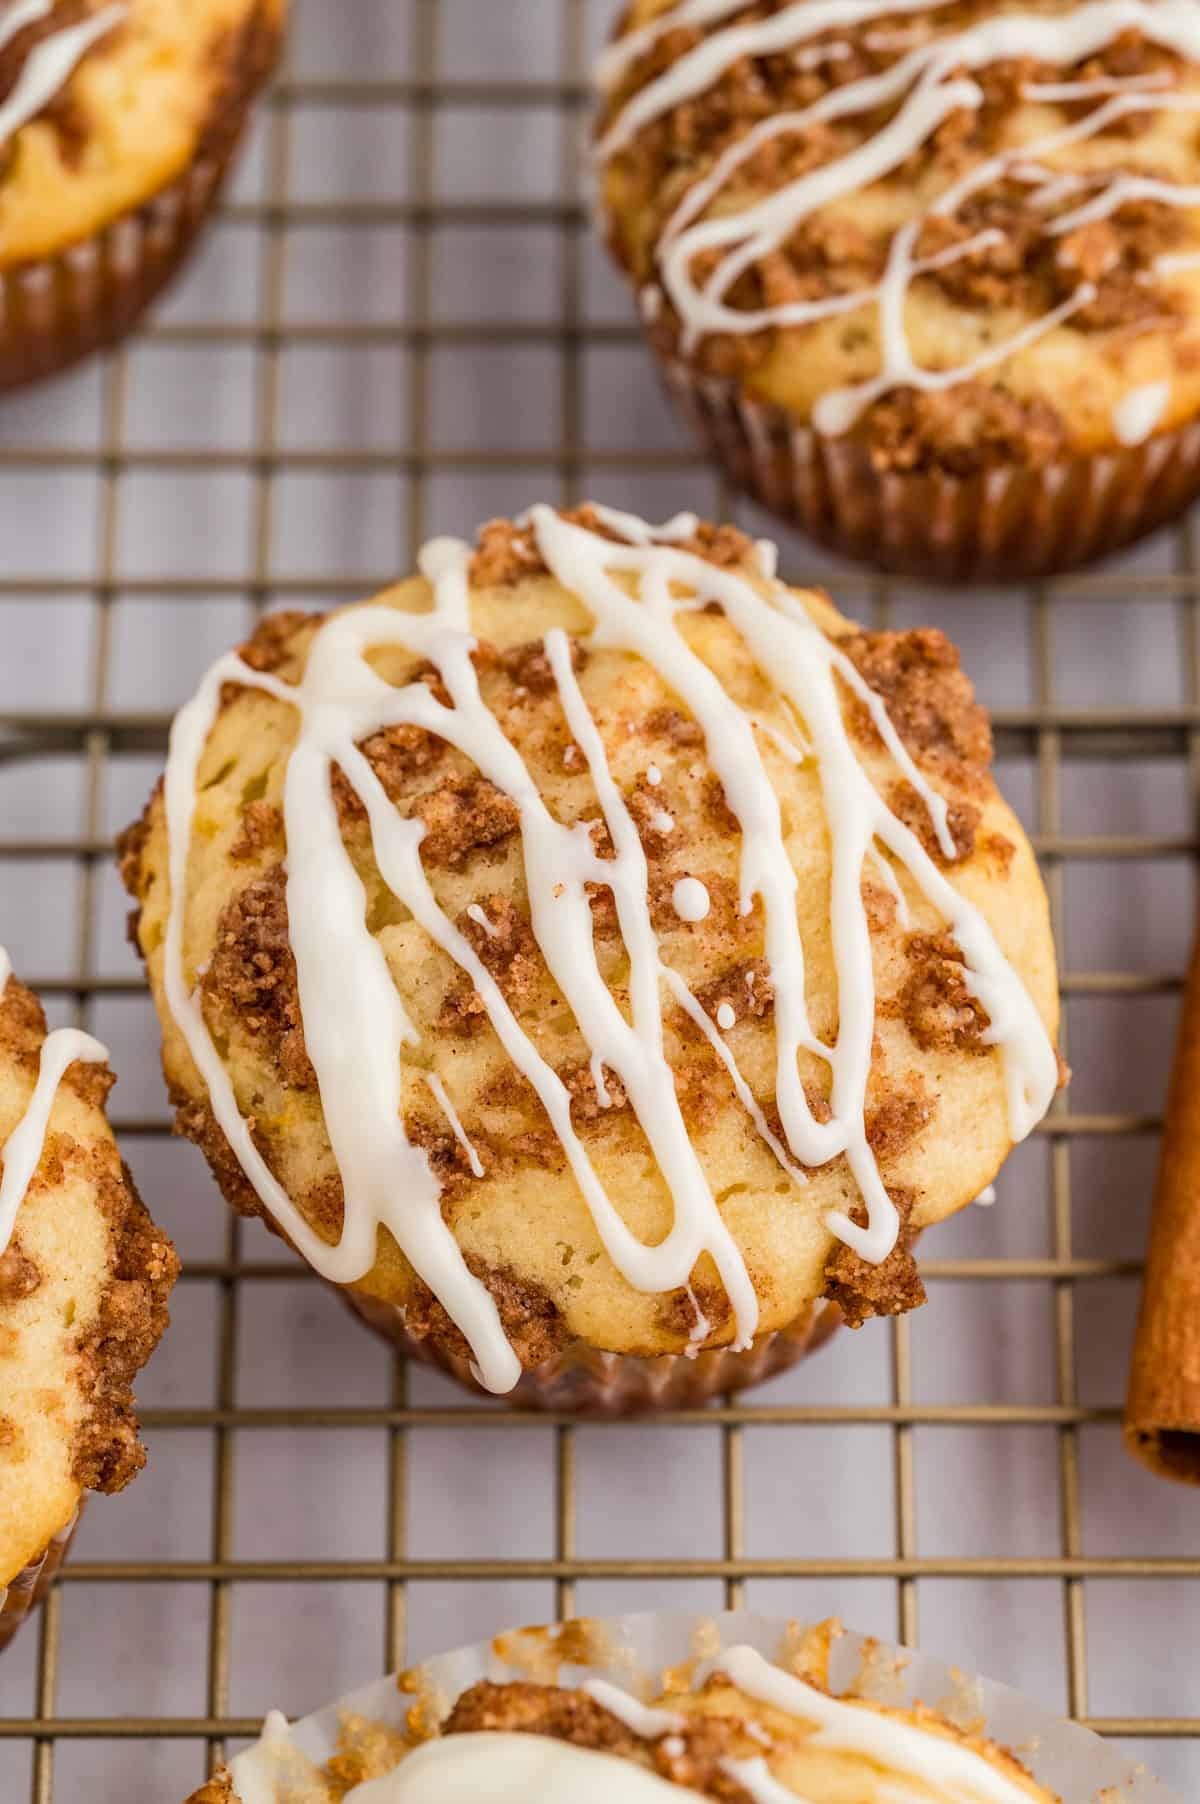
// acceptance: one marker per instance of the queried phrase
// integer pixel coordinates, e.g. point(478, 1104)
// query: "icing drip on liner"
point(354, 1020)
point(21, 1153)
point(52, 62)
point(926, 84)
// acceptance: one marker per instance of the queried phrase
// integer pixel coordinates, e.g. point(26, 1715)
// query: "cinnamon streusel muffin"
point(118, 121)
point(84, 1280)
point(925, 277)
point(598, 959)
point(726, 1722)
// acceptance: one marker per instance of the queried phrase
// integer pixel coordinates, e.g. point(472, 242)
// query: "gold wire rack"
point(1043, 734)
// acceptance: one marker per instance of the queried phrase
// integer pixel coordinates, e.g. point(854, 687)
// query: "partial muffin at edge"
point(1057, 301)
point(1058, 394)
point(161, 88)
point(714, 1736)
point(123, 121)
point(84, 1284)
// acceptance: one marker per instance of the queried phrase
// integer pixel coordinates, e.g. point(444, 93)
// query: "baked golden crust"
point(936, 1106)
point(83, 1302)
point(164, 87)
point(1051, 398)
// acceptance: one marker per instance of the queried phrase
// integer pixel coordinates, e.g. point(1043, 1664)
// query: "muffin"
point(84, 1281)
point(927, 279)
point(117, 126)
point(596, 958)
point(658, 1709)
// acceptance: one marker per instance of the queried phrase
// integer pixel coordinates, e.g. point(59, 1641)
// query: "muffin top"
point(84, 1279)
point(104, 102)
point(593, 939)
point(735, 1727)
point(965, 231)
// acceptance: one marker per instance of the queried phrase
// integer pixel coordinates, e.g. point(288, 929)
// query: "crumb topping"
point(937, 1004)
point(129, 1324)
point(508, 554)
point(252, 975)
point(862, 1290)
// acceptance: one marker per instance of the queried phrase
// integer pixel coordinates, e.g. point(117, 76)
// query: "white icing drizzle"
point(21, 1153)
point(892, 884)
point(952, 1769)
point(355, 1023)
point(700, 1329)
point(927, 82)
point(51, 63)
point(502, 1768)
point(792, 746)
point(654, 776)
point(640, 1718)
point(480, 919)
point(1140, 411)
point(1097, 88)
point(986, 1198)
point(637, 532)
point(745, 1094)
point(20, 13)
point(441, 1096)
point(759, 1783)
point(691, 900)
point(726, 1018)
point(767, 554)
point(662, 822)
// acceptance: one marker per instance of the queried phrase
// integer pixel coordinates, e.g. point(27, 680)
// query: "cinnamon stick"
point(1162, 1412)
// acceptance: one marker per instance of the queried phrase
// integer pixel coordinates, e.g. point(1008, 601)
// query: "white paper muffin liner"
point(1068, 1759)
point(20, 1599)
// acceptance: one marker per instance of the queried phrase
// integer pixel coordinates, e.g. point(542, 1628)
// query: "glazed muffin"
point(117, 125)
point(732, 1724)
point(84, 1281)
point(927, 280)
point(596, 958)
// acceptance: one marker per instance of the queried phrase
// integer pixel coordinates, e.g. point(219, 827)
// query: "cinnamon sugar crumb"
point(508, 554)
point(862, 1290)
point(252, 975)
point(937, 1004)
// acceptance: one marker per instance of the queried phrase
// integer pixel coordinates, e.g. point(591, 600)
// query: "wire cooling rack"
point(403, 324)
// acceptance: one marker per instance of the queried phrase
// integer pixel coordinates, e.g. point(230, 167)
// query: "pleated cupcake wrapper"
point(580, 1381)
point(57, 309)
point(30, 1586)
point(633, 1651)
point(1002, 525)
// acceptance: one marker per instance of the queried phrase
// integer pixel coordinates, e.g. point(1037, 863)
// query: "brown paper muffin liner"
point(30, 1586)
point(1001, 525)
point(57, 309)
point(581, 1381)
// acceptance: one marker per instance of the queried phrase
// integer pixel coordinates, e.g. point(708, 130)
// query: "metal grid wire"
point(1107, 1559)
